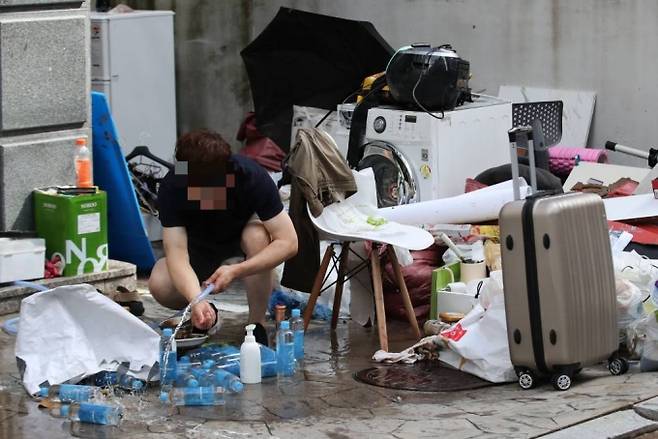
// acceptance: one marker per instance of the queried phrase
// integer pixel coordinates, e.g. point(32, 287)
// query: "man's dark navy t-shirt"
point(254, 192)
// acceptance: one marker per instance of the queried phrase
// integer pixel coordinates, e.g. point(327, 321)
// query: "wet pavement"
point(328, 402)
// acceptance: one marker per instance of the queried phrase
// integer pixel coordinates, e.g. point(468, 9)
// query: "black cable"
point(413, 91)
point(333, 109)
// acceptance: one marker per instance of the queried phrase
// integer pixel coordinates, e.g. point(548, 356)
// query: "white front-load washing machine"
point(417, 156)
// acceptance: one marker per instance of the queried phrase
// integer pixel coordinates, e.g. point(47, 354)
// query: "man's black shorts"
point(205, 259)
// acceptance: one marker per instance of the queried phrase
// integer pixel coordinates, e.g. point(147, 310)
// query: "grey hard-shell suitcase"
point(560, 298)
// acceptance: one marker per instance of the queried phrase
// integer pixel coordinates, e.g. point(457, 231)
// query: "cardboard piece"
point(606, 173)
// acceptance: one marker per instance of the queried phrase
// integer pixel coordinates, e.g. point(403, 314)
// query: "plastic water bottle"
point(168, 371)
point(131, 383)
point(206, 375)
point(105, 378)
point(121, 380)
point(285, 351)
point(297, 326)
point(228, 381)
point(268, 363)
point(206, 395)
point(82, 164)
point(70, 392)
point(92, 413)
point(185, 373)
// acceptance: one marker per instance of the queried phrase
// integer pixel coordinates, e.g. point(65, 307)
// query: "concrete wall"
point(44, 99)
point(603, 45)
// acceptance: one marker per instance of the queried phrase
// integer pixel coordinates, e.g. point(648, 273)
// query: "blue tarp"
point(126, 234)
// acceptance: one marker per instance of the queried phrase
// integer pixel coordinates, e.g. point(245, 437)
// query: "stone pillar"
point(44, 100)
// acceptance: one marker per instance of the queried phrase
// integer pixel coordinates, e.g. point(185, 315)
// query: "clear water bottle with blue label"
point(297, 326)
point(168, 363)
point(105, 378)
point(70, 392)
point(268, 363)
point(119, 379)
point(204, 395)
point(91, 413)
point(228, 381)
point(285, 352)
point(188, 374)
point(131, 383)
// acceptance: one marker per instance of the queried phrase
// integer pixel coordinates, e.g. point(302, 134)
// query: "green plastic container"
point(75, 229)
point(441, 277)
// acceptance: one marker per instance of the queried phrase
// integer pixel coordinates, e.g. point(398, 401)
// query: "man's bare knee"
point(162, 288)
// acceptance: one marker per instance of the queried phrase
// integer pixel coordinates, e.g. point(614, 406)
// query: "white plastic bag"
point(635, 269)
point(646, 330)
point(477, 344)
point(629, 304)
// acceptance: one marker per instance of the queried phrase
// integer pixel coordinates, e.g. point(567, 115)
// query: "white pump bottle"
point(250, 358)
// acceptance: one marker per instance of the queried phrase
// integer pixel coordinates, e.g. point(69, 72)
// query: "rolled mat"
point(562, 159)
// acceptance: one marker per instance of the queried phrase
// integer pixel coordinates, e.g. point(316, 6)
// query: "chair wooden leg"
point(379, 298)
point(317, 285)
point(338, 294)
point(411, 315)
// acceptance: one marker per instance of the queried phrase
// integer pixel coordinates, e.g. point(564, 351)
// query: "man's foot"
point(130, 300)
point(260, 334)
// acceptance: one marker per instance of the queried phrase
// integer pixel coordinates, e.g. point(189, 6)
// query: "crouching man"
point(213, 206)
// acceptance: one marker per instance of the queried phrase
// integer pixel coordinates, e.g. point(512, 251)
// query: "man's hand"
point(203, 315)
point(222, 277)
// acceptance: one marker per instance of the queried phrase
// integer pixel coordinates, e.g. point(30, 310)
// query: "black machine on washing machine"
point(419, 76)
point(431, 78)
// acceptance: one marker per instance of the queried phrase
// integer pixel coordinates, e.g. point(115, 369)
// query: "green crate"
point(441, 277)
point(75, 229)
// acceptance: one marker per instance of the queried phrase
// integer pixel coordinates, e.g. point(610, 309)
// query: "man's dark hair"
point(202, 146)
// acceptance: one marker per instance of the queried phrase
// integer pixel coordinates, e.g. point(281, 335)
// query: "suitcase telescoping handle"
point(521, 137)
point(650, 156)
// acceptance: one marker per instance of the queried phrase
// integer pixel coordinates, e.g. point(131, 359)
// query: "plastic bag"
point(648, 328)
point(478, 344)
point(474, 252)
point(635, 269)
point(294, 299)
point(629, 306)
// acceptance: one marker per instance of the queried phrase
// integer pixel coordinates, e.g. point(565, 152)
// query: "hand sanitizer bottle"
point(250, 358)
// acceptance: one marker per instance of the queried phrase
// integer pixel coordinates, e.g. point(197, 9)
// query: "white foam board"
point(577, 111)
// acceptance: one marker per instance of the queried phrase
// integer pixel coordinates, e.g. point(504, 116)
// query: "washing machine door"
point(393, 175)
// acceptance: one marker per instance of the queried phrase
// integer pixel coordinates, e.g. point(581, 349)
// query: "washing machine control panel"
point(396, 125)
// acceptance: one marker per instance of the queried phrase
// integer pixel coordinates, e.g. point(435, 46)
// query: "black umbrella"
point(308, 59)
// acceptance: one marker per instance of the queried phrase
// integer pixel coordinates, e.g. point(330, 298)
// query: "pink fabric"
point(563, 159)
point(261, 149)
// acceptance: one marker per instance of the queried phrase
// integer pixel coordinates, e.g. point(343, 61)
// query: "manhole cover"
point(423, 376)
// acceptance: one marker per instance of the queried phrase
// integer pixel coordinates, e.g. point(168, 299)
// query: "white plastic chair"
point(407, 237)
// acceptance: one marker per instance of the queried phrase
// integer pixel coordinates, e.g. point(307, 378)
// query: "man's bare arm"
point(178, 262)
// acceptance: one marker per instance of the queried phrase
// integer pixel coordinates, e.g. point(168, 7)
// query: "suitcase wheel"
point(561, 381)
point(618, 366)
point(527, 380)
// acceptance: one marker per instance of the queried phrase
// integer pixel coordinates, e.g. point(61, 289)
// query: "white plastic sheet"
point(470, 208)
point(73, 331)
